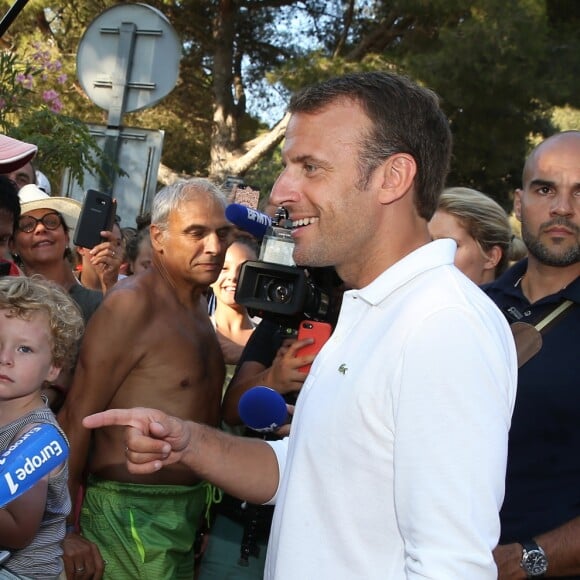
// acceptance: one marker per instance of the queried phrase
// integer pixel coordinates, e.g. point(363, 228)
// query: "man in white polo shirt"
point(395, 463)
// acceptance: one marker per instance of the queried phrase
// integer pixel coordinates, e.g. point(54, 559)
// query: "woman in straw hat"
point(42, 243)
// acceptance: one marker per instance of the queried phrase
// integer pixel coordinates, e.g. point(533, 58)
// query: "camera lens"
point(279, 292)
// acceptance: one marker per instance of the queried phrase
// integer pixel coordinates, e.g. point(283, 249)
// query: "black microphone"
point(250, 220)
point(263, 409)
point(31, 457)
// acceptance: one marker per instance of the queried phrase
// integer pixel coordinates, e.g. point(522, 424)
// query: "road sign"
point(128, 59)
point(139, 155)
point(129, 53)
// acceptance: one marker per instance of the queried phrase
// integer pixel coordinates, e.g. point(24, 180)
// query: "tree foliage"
point(30, 109)
point(506, 72)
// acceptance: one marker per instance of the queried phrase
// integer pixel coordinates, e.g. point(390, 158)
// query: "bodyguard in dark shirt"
point(540, 517)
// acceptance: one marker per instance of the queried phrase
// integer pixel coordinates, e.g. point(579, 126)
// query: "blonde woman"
point(481, 229)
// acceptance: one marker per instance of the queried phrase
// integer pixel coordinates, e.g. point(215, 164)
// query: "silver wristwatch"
point(534, 560)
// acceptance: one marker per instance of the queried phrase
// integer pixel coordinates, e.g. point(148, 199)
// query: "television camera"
point(275, 287)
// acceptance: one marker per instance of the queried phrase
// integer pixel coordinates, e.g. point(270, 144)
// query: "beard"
point(313, 257)
point(548, 256)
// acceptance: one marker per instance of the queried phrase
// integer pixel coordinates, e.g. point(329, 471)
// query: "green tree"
point(484, 67)
point(30, 109)
point(492, 63)
point(499, 67)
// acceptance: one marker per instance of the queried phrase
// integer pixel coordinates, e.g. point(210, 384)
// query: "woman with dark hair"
point(236, 547)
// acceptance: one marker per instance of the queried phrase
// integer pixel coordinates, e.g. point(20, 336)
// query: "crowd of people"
point(421, 443)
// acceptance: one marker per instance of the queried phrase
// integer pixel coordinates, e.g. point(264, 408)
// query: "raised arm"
point(106, 258)
point(245, 468)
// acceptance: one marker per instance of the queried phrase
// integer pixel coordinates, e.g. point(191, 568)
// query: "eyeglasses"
point(51, 221)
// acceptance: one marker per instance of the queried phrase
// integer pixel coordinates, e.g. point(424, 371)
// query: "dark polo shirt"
point(543, 471)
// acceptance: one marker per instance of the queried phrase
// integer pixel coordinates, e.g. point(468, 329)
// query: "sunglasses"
point(51, 221)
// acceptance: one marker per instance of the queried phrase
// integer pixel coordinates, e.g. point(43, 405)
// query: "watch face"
point(535, 563)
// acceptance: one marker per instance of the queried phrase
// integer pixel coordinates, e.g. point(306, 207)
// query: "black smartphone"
point(97, 214)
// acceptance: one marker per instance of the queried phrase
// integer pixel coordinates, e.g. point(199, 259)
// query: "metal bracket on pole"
point(124, 62)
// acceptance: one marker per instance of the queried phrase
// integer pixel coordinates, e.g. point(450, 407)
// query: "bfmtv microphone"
point(248, 219)
point(263, 409)
point(31, 457)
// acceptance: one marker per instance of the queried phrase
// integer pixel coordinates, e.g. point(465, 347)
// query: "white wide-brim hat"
point(31, 198)
point(14, 154)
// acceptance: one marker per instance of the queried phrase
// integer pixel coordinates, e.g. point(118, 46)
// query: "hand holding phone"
point(319, 331)
point(97, 215)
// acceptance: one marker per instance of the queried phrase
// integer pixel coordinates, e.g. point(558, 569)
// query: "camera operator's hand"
point(106, 258)
point(284, 375)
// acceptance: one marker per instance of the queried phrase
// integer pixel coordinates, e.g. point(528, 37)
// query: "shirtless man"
point(150, 344)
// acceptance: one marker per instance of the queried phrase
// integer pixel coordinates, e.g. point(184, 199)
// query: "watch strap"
point(530, 545)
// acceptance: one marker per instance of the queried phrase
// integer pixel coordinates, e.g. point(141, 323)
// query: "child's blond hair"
point(23, 295)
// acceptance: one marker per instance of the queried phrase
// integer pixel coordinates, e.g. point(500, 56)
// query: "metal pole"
point(12, 13)
point(123, 65)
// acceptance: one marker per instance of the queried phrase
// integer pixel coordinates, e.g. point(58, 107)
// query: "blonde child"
point(40, 327)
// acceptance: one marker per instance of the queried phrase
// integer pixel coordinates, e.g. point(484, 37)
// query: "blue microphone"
point(248, 219)
point(31, 457)
point(263, 409)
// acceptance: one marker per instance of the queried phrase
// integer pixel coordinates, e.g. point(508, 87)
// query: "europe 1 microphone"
point(32, 456)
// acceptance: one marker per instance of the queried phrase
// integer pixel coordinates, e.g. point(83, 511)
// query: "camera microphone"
point(250, 220)
point(263, 409)
point(32, 456)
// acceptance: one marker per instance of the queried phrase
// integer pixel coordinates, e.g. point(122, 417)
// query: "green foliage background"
point(507, 72)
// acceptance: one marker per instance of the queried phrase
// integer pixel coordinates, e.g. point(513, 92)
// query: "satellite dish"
point(153, 57)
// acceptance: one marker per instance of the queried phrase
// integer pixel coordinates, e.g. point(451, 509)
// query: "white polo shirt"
point(395, 464)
